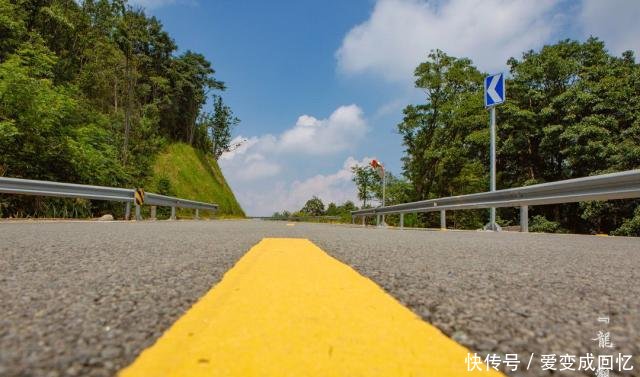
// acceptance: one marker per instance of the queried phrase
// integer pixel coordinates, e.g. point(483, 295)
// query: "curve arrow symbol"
point(491, 90)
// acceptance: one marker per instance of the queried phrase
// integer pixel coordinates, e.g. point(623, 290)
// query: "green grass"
point(182, 171)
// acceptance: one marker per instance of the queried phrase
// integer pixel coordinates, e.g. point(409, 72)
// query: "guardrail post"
point(127, 211)
point(364, 220)
point(402, 221)
point(377, 220)
point(138, 214)
point(197, 214)
point(443, 219)
point(173, 213)
point(524, 219)
point(153, 212)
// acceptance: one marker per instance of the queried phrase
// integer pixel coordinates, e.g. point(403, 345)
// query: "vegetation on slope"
point(90, 92)
point(186, 172)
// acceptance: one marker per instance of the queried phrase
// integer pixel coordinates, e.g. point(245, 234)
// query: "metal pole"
point(384, 190)
point(492, 221)
point(443, 219)
point(173, 213)
point(127, 211)
point(384, 186)
point(138, 214)
point(197, 214)
point(402, 221)
point(524, 219)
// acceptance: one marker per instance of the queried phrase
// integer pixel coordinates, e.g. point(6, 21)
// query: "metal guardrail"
point(621, 185)
point(169, 201)
point(114, 194)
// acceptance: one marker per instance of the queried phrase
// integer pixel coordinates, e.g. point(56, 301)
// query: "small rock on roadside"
point(106, 218)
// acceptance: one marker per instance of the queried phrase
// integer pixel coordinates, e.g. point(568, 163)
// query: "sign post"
point(494, 94)
point(379, 168)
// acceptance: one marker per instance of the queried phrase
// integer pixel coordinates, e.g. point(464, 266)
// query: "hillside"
point(185, 172)
point(91, 92)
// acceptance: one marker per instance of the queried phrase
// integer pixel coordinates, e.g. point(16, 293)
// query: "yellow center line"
point(289, 309)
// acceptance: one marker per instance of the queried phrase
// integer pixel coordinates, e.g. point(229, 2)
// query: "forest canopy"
point(572, 110)
point(90, 92)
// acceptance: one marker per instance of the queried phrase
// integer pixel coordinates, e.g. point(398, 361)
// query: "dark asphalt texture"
point(84, 298)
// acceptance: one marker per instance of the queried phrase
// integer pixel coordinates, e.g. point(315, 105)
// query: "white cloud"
point(265, 170)
point(281, 195)
point(337, 187)
point(613, 21)
point(327, 136)
point(257, 167)
point(249, 161)
point(400, 33)
point(261, 157)
point(394, 106)
point(341, 131)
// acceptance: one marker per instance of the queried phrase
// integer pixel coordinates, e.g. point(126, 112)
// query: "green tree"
point(12, 27)
point(347, 206)
point(367, 182)
point(88, 87)
point(630, 227)
point(313, 207)
point(447, 132)
point(222, 124)
point(332, 210)
point(573, 110)
point(399, 190)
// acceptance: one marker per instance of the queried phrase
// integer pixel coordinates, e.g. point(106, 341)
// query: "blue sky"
point(320, 85)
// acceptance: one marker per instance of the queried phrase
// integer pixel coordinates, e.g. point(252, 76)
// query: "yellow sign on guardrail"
point(139, 196)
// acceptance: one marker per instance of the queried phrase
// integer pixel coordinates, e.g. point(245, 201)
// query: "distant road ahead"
point(85, 298)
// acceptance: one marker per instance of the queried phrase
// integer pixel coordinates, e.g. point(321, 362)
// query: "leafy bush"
point(542, 225)
point(630, 227)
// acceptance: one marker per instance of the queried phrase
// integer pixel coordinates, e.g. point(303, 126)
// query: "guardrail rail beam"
point(622, 185)
point(19, 186)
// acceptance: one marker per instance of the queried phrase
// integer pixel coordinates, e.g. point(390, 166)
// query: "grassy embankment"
point(184, 172)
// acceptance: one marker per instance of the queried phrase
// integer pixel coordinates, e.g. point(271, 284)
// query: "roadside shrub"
point(540, 224)
point(630, 227)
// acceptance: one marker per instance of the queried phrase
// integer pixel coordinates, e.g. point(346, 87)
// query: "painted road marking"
point(289, 309)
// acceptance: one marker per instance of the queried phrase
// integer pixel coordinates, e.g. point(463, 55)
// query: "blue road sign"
point(494, 90)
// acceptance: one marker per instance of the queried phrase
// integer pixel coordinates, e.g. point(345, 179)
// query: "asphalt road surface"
point(84, 298)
